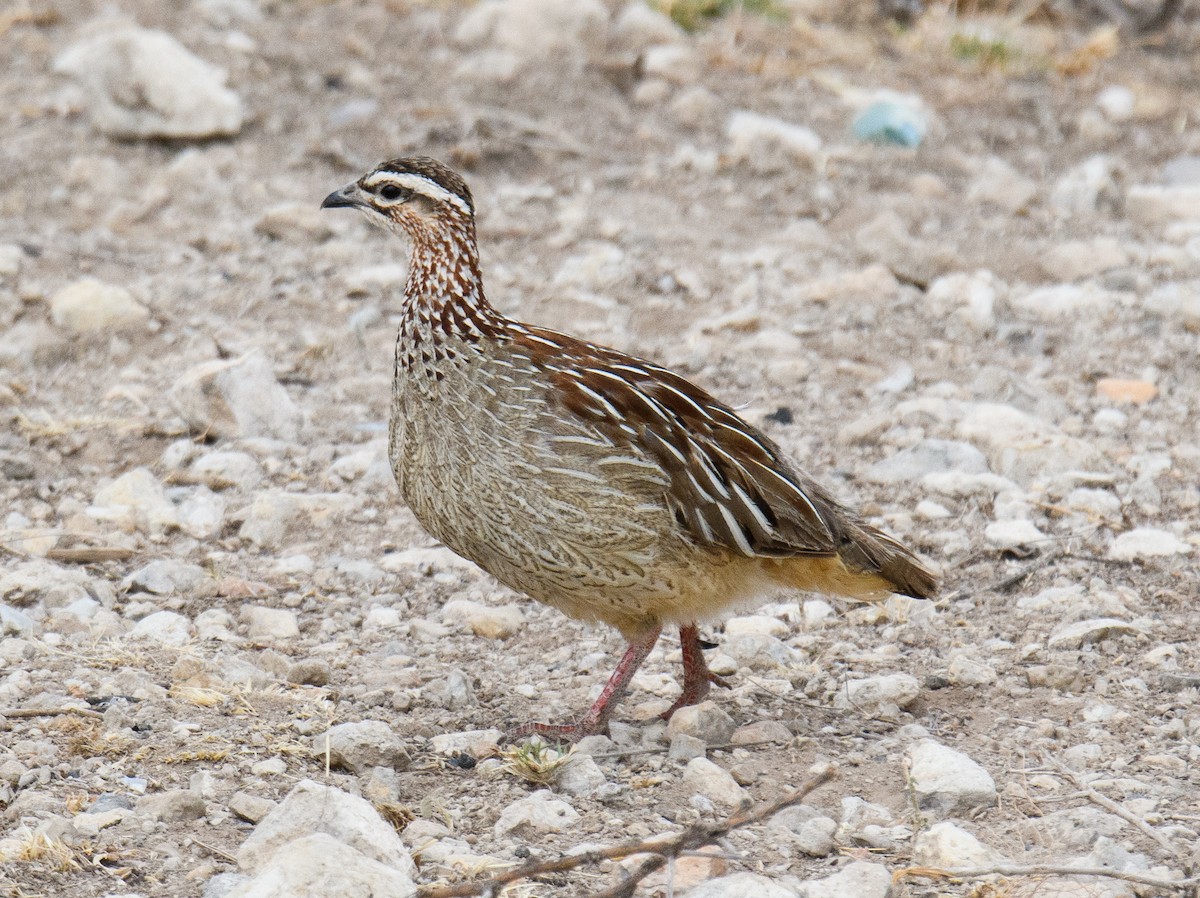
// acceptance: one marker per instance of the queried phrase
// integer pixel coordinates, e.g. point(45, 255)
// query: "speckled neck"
point(445, 309)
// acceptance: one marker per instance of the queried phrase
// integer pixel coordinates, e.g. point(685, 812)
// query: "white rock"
point(706, 721)
point(580, 776)
point(91, 306)
point(1146, 542)
point(878, 695)
point(319, 866)
point(135, 499)
point(1163, 204)
point(215, 623)
point(270, 517)
point(927, 457)
point(42, 582)
point(172, 806)
point(535, 29)
point(1000, 184)
point(947, 845)
point(1011, 534)
point(238, 468)
point(703, 776)
point(639, 26)
point(817, 612)
point(1061, 300)
point(165, 627)
point(770, 144)
point(474, 742)
point(759, 652)
point(237, 398)
point(313, 808)
point(1116, 102)
point(361, 745)
point(740, 885)
point(382, 617)
point(676, 63)
point(1020, 446)
point(809, 831)
point(1098, 502)
point(971, 297)
point(452, 691)
point(1178, 301)
point(541, 812)
point(202, 514)
point(858, 879)
point(1089, 186)
point(967, 671)
point(11, 254)
point(1078, 259)
point(762, 624)
point(488, 621)
point(143, 83)
point(947, 781)
point(270, 624)
point(1086, 632)
point(165, 577)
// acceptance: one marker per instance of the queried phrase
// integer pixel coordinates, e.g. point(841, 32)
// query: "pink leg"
point(596, 719)
point(697, 678)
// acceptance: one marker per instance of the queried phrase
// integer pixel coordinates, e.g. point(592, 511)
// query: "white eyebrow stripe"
point(417, 184)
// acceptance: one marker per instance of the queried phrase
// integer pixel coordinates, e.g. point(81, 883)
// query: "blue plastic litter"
point(890, 123)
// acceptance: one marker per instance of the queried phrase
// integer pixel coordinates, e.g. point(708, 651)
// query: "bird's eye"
point(390, 192)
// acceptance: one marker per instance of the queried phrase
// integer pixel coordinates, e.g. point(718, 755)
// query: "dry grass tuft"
point(534, 762)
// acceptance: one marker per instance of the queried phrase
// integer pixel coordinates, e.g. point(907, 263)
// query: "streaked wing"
point(728, 484)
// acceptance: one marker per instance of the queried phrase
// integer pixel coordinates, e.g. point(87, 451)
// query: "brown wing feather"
point(729, 485)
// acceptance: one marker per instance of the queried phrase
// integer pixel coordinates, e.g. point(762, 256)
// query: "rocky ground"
point(232, 664)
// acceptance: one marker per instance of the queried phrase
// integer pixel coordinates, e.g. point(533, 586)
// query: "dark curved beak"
point(346, 196)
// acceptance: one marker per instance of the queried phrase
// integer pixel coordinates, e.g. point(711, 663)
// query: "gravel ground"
point(211, 598)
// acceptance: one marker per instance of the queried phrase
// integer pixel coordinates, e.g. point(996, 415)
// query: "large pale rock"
point(946, 845)
point(144, 83)
point(237, 398)
point(740, 885)
point(361, 745)
point(859, 879)
point(881, 695)
point(1085, 632)
point(928, 457)
point(319, 866)
point(706, 721)
point(1162, 204)
point(1000, 184)
point(947, 781)
point(136, 499)
point(1147, 542)
point(714, 783)
point(312, 808)
point(91, 306)
point(535, 28)
point(541, 812)
point(770, 144)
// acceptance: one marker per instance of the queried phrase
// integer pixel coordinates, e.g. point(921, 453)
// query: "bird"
point(601, 484)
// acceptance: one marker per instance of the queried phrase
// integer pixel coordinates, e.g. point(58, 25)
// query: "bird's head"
point(414, 195)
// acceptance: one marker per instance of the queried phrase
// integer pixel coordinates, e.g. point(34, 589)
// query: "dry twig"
point(662, 847)
point(1046, 870)
point(1114, 807)
point(15, 713)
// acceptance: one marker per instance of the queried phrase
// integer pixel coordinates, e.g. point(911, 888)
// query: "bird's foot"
point(695, 691)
